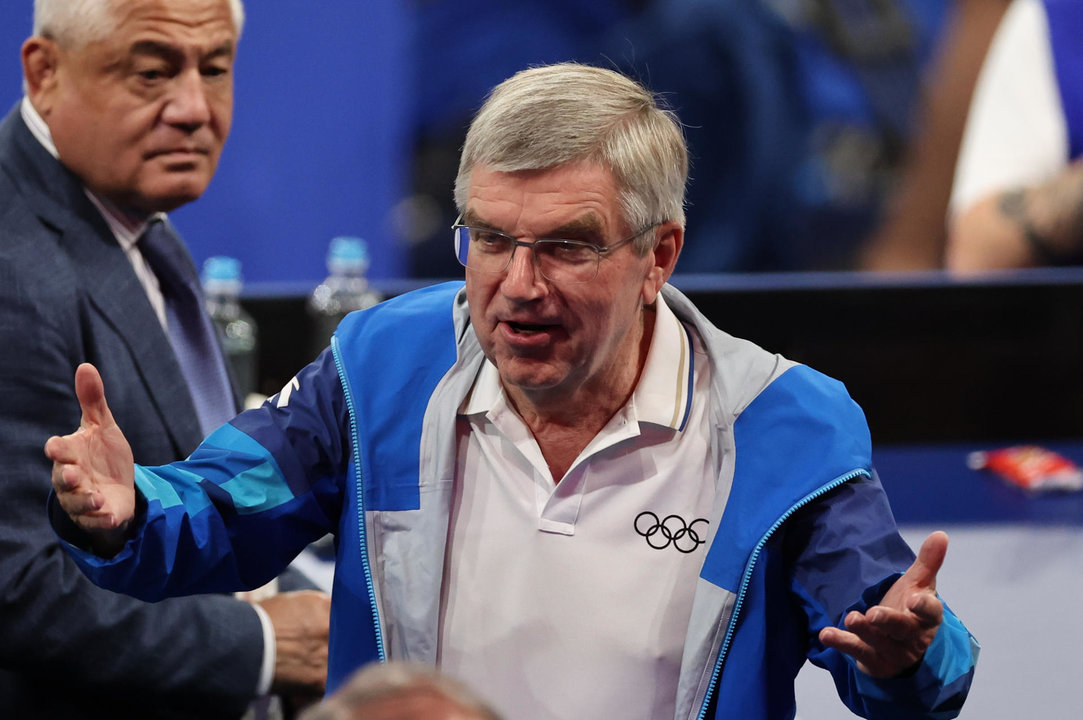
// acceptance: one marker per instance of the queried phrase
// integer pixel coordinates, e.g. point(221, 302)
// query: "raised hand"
point(892, 637)
point(93, 471)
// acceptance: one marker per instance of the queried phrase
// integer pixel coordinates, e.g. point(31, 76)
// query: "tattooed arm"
point(1024, 227)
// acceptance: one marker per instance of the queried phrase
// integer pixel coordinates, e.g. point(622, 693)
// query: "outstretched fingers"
point(75, 492)
point(851, 643)
point(927, 609)
point(881, 649)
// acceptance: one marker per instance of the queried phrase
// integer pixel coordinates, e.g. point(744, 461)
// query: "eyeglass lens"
point(557, 260)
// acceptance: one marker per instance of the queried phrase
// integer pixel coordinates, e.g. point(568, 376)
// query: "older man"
point(560, 483)
point(128, 104)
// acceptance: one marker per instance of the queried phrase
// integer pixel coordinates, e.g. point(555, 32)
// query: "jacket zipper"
point(361, 532)
point(747, 577)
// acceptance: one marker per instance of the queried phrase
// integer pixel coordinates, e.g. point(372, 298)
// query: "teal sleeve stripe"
point(261, 485)
point(235, 441)
point(257, 489)
point(257, 485)
point(954, 650)
point(949, 660)
point(171, 487)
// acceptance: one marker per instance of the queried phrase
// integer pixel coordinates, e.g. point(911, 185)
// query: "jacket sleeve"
point(55, 624)
point(834, 572)
point(233, 515)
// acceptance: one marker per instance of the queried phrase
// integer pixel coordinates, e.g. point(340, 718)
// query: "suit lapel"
point(113, 289)
point(121, 299)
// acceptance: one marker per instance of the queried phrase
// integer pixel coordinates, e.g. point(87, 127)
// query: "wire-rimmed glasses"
point(559, 261)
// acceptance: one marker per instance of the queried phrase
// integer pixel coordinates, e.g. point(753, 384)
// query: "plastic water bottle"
point(222, 284)
point(344, 290)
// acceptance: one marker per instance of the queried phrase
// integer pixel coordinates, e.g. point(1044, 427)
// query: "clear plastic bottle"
point(222, 283)
point(344, 290)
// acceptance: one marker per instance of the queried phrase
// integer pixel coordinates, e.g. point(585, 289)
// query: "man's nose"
point(522, 278)
point(188, 105)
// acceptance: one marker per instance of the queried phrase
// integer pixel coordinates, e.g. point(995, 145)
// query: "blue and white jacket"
point(362, 443)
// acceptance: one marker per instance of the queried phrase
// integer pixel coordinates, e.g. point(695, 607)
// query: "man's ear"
point(663, 259)
point(40, 58)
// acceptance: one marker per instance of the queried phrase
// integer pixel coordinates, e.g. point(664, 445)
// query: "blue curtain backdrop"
point(319, 136)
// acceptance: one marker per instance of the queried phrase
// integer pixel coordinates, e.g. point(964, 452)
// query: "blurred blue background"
point(349, 117)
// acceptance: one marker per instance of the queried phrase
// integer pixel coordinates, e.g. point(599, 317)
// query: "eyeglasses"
point(560, 261)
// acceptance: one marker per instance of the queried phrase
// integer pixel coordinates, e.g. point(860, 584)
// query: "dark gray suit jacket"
point(68, 294)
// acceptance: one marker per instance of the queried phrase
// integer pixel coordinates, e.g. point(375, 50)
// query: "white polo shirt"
point(572, 600)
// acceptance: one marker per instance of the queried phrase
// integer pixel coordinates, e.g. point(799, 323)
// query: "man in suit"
point(128, 104)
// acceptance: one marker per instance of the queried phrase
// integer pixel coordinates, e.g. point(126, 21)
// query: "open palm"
point(892, 636)
point(93, 471)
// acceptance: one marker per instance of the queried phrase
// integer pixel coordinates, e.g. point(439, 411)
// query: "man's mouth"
point(522, 328)
point(525, 328)
point(179, 152)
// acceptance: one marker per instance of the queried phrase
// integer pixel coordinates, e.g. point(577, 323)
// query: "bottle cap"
point(347, 254)
point(222, 273)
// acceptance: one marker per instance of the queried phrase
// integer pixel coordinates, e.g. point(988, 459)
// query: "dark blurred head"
point(400, 691)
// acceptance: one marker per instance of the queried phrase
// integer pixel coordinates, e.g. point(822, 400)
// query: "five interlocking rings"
point(672, 530)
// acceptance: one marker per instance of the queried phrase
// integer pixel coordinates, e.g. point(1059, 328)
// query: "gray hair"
point(555, 115)
point(77, 23)
point(383, 681)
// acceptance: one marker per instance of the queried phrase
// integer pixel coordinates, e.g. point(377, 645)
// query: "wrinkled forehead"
point(567, 201)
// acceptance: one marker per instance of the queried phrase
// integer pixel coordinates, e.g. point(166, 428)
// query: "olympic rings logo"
point(673, 530)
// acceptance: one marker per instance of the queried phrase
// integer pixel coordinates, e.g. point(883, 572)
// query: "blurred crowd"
point(822, 132)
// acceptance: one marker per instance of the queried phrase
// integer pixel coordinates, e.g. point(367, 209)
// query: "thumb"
point(90, 390)
point(930, 559)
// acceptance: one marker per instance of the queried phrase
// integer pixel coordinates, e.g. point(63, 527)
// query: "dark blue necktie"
point(191, 331)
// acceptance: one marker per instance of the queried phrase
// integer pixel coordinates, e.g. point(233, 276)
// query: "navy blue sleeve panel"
point(851, 534)
point(821, 537)
point(305, 427)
